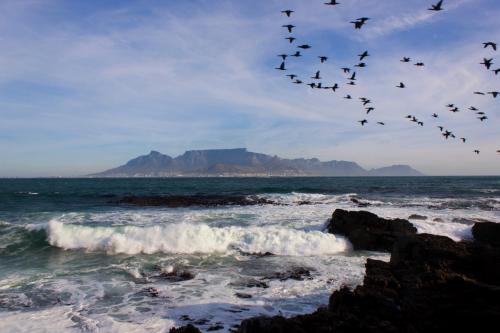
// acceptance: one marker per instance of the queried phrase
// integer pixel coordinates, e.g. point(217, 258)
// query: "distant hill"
point(240, 162)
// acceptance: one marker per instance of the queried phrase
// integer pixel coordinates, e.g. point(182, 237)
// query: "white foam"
point(194, 238)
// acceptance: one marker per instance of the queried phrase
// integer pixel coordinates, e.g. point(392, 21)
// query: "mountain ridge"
point(241, 162)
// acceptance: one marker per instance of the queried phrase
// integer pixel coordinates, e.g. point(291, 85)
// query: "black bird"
point(348, 97)
point(283, 56)
point(483, 118)
point(289, 27)
point(453, 136)
point(335, 87)
point(463, 139)
point(282, 67)
point(381, 123)
point(441, 128)
point(493, 45)
point(401, 85)
point(358, 24)
point(496, 71)
point(494, 93)
point(297, 54)
point(353, 77)
point(322, 59)
point(312, 85)
point(346, 70)
point(446, 134)
point(305, 47)
point(450, 105)
point(420, 123)
point(435, 115)
point(480, 113)
point(318, 85)
point(455, 110)
point(370, 109)
point(332, 3)
point(420, 64)
point(363, 55)
point(287, 12)
point(291, 39)
point(405, 59)
point(409, 116)
point(414, 119)
point(479, 93)
point(437, 7)
point(477, 151)
point(363, 99)
point(472, 108)
point(366, 102)
point(316, 77)
point(361, 64)
point(292, 76)
point(487, 63)
point(297, 82)
point(363, 122)
point(352, 83)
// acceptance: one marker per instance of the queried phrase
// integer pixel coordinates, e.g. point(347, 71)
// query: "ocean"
point(72, 259)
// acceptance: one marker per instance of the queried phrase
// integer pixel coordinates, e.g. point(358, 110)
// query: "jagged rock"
point(185, 329)
point(295, 273)
point(249, 283)
point(487, 232)
point(367, 231)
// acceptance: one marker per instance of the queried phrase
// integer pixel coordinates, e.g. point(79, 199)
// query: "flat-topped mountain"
point(240, 162)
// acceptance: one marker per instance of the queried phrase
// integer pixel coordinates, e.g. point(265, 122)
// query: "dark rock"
point(175, 201)
point(417, 217)
point(438, 219)
point(177, 275)
point(295, 273)
point(487, 232)
point(360, 203)
point(202, 321)
point(249, 283)
point(185, 329)
point(216, 327)
point(242, 295)
point(431, 284)
point(367, 231)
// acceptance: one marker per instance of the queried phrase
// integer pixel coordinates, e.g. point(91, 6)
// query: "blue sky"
point(87, 85)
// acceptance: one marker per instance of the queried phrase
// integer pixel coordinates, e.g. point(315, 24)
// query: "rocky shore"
point(431, 283)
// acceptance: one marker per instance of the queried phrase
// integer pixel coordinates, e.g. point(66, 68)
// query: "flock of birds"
point(351, 74)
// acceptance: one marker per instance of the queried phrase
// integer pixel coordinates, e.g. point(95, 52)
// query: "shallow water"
point(73, 260)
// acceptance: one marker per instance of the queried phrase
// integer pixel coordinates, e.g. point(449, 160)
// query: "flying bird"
point(291, 39)
point(361, 64)
point(483, 118)
point(297, 82)
point(401, 85)
point(358, 24)
point(305, 47)
point(289, 27)
point(487, 63)
point(480, 113)
point(346, 70)
point(477, 151)
point(405, 59)
point(446, 134)
point(287, 12)
point(312, 85)
point(370, 109)
point(450, 105)
point(493, 45)
point(366, 102)
point(363, 122)
point(282, 67)
point(420, 64)
point(479, 93)
point(316, 77)
point(322, 59)
point(296, 54)
point(332, 3)
point(463, 139)
point(472, 108)
point(494, 93)
point(437, 7)
point(381, 123)
point(420, 123)
point(363, 55)
point(496, 71)
point(455, 110)
point(283, 56)
point(292, 76)
point(435, 115)
point(353, 77)
point(348, 97)
point(352, 83)
point(441, 128)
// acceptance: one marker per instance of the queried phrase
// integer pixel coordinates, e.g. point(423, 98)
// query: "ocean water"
point(73, 260)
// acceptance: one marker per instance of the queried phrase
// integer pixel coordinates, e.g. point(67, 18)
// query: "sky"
point(87, 85)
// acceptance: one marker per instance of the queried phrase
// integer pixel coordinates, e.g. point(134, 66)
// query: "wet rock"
point(185, 329)
point(249, 283)
point(367, 231)
point(216, 327)
point(438, 219)
point(177, 275)
point(487, 232)
point(295, 273)
point(202, 321)
point(243, 295)
point(185, 318)
point(175, 201)
point(431, 284)
point(152, 292)
point(360, 203)
point(417, 217)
